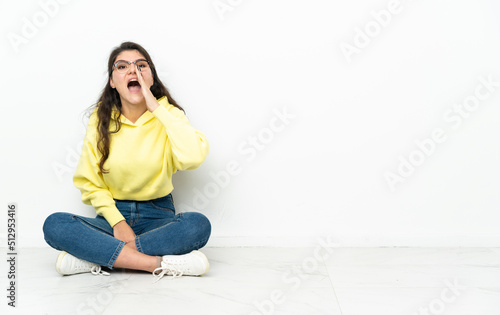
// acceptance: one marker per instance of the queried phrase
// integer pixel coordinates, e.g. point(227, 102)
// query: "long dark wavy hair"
point(110, 98)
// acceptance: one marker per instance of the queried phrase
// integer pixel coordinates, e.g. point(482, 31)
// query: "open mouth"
point(134, 86)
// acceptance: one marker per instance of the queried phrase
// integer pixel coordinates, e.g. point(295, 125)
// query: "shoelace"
point(165, 269)
point(96, 270)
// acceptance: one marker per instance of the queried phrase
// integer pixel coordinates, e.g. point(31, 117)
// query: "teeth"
point(133, 80)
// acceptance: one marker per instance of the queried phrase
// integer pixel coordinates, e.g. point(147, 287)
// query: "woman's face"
point(126, 83)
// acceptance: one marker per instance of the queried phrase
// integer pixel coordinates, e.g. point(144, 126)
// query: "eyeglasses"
point(123, 65)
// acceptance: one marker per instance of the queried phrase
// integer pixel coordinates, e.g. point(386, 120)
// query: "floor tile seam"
point(411, 287)
point(422, 265)
point(332, 285)
point(237, 287)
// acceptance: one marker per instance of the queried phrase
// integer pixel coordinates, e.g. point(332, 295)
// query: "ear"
point(111, 83)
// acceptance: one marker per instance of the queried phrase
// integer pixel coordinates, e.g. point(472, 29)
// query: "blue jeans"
point(159, 231)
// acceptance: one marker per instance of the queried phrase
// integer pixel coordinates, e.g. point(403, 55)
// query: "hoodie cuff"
point(113, 216)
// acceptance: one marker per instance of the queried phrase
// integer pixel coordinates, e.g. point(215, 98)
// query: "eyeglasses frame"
point(129, 63)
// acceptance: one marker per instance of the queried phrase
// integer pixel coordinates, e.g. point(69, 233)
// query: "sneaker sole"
point(59, 262)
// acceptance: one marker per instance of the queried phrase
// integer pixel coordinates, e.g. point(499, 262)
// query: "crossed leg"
point(79, 236)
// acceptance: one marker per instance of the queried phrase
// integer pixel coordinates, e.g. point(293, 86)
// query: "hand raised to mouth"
point(151, 102)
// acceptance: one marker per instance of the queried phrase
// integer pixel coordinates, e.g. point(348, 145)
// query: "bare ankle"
point(132, 259)
point(158, 261)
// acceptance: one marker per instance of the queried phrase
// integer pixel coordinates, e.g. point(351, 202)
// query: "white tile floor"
point(306, 281)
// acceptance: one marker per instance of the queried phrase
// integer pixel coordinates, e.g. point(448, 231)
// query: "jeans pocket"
point(164, 203)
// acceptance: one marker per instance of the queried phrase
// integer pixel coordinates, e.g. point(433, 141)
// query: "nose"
point(132, 68)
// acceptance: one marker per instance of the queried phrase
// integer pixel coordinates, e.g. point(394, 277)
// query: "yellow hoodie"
point(143, 156)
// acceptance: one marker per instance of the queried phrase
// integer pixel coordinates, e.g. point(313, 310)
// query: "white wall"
point(322, 172)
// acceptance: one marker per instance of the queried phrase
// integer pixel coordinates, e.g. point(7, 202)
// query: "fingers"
point(140, 78)
point(139, 75)
point(151, 102)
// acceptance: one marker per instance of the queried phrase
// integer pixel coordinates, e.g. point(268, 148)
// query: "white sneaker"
point(68, 264)
point(193, 264)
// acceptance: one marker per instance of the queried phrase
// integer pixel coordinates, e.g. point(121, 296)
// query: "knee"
point(53, 225)
point(200, 224)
